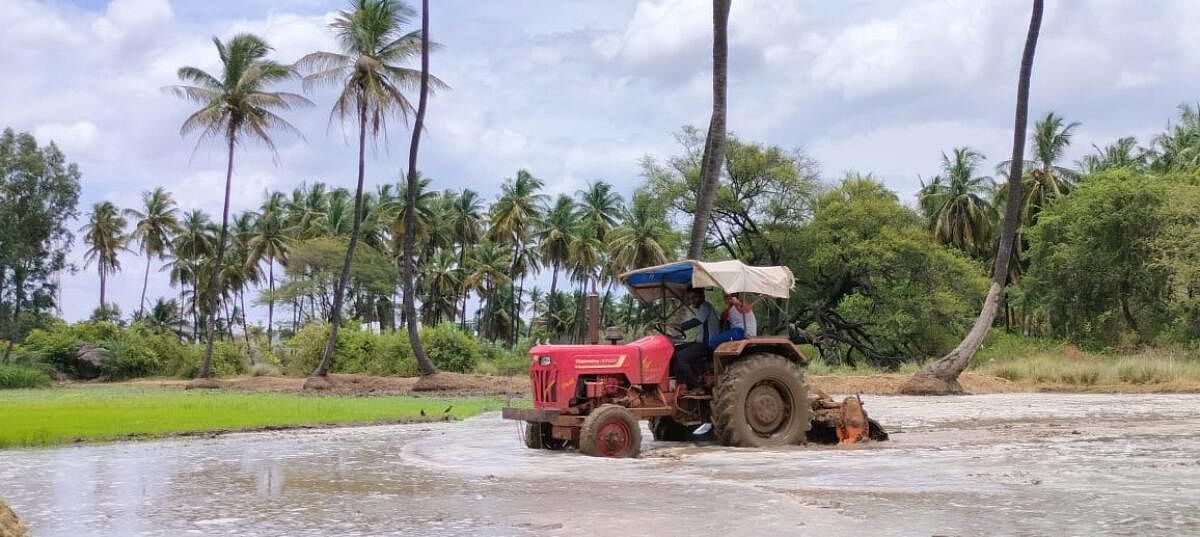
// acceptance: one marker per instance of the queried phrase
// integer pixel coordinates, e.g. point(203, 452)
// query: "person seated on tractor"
point(737, 320)
point(688, 358)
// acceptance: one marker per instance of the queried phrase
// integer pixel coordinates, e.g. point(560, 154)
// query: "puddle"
point(1002, 464)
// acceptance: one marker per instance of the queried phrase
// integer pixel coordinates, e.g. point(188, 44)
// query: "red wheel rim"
point(613, 438)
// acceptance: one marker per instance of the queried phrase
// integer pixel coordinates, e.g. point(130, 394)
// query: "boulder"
point(89, 360)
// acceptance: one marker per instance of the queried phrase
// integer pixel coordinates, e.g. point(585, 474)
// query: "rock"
point(10, 526)
point(89, 360)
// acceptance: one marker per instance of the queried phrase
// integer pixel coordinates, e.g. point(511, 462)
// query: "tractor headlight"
point(543, 361)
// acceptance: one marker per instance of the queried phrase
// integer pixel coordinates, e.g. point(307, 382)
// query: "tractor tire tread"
point(729, 400)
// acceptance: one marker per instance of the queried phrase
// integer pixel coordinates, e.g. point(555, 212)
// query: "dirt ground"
point(9, 525)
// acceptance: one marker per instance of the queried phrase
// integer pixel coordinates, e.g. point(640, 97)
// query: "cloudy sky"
point(578, 90)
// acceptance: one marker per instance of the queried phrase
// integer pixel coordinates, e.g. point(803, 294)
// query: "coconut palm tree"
point(554, 238)
point(714, 144)
point(514, 219)
point(195, 242)
point(466, 220)
point(235, 105)
point(1044, 179)
point(367, 70)
point(488, 270)
point(438, 286)
point(642, 238)
point(104, 234)
point(957, 203)
point(1178, 148)
point(941, 376)
point(600, 206)
point(153, 227)
point(1124, 153)
point(269, 241)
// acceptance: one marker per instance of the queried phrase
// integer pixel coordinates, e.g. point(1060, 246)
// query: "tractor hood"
point(674, 279)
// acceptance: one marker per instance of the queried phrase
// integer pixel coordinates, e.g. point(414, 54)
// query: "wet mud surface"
point(1000, 464)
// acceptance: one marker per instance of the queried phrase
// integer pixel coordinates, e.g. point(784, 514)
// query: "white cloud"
point(577, 90)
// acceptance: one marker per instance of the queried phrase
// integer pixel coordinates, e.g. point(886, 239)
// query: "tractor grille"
point(545, 385)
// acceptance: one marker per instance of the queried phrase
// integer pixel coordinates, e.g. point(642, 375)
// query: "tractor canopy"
point(674, 279)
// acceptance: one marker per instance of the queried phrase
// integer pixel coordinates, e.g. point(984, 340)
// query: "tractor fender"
point(729, 351)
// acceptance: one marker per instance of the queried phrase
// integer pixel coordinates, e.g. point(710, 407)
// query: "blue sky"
point(579, 90)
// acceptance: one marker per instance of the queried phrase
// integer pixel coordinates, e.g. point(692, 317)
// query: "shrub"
point(20, 376)
point(450, 349)
point(263, 369)
point(357, 351)
point(129, 358)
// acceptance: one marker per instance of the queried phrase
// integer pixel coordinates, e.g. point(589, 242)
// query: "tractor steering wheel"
point(664, 330)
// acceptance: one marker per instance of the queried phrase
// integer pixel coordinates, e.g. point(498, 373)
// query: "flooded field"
point(1004, 464)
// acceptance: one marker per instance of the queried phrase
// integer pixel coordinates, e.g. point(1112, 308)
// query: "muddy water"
point(1005, 464)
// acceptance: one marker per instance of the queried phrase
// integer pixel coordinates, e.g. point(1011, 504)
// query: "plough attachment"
point(844, 422)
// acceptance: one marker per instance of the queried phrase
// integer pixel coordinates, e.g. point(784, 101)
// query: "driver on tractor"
point(692, 356)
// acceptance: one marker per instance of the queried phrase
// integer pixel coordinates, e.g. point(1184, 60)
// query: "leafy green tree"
point(104, 235)
point(763, 187)
point(39, 191)
point(235, 105)
point(153, 227)
point(871, 283)
point(1093, 254)
point(367, 69)
point(956, 203)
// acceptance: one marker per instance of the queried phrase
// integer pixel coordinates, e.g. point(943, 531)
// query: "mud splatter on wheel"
point(610, 431)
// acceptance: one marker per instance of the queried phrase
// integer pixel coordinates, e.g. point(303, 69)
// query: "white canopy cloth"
point(673, 279)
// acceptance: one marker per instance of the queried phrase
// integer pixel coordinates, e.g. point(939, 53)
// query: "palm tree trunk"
point(410, 204)
point(245, 327)
point(212, 279)
point(462, 261)
point(145, 283)
point(714, 146)
point(550, 297)
point(271, 301)
point(103, 280)
point(941, 376)
point(339, 292)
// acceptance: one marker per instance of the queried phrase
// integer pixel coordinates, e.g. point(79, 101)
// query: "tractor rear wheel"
point(610, 431)
point(666, 429)
point(537, 436)
point(760, 401)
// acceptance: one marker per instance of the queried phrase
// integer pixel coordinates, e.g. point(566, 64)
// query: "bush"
point(129, 358)
point(228, 360)
point(20, 376)
point(356, 351)
point(451, 349)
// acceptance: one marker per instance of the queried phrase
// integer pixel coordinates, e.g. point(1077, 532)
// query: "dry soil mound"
point(9, 525)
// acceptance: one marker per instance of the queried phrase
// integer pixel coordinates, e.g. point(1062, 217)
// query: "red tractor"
point(753, 394)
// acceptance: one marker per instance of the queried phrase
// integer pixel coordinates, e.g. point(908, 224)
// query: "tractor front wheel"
point(610, 431)
point(537, 436)
point(761, 401)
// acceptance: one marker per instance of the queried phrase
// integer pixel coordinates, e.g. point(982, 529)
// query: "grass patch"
point(1055, 363)
point(19, 376)
point(56, 416)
